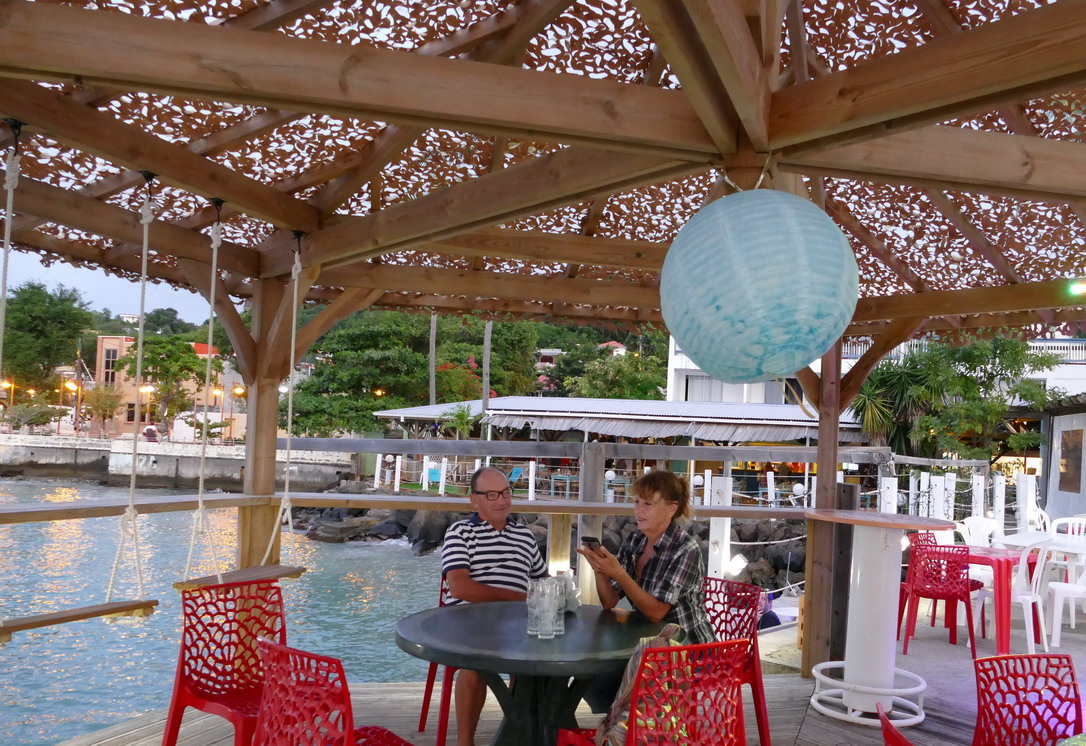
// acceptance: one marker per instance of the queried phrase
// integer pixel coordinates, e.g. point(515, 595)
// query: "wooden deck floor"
point(396, 706)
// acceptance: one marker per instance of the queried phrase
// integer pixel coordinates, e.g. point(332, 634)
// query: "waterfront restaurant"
point(534, 159)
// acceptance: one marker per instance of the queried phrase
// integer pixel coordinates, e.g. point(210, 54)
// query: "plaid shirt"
point(675, 575)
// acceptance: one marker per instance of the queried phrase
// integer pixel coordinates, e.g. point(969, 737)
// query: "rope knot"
point(11, 176)
point(147, 212)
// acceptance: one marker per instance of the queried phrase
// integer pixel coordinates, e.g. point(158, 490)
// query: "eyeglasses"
point(495, 494)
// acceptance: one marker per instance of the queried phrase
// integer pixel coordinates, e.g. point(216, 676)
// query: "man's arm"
point(463, 587)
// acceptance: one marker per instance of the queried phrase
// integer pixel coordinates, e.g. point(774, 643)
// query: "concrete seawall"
point(159, 464)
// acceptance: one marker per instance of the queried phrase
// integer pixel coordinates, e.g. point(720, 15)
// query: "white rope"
point(129, 525)
point(11, 180)
point(286, 508)
point(201, 521)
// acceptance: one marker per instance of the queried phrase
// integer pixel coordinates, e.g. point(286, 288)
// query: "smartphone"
point(591, 542)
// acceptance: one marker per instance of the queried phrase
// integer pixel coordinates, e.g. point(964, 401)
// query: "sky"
point(105, 291)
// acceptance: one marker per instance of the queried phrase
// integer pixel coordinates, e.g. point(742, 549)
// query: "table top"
point(985, 555)
point(1060, 542)
point(494, 637)
point(876, 519)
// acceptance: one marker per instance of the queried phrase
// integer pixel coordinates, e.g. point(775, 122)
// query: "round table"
point(551, 675)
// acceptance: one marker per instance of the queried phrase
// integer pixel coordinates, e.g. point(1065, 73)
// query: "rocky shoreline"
point(776, 551)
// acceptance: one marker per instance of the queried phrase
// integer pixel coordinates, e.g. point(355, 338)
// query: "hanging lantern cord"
point(765, 170)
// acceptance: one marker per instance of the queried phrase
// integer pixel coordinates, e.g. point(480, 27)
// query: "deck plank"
point(396, 707)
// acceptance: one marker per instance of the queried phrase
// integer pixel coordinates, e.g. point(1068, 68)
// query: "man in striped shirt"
point(486, 557)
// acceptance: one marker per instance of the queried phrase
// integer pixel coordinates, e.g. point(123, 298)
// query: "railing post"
point(531, 479)
point(999, 501)
point(720, 529)
point(590, 491)
point(978, 494)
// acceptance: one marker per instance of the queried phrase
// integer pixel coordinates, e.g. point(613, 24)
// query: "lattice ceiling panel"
point(392, 25)
point(44, 159)
point(176, 120)
point(973, 13)
point(438, 159)
point(568, 219)
point(845, 32)
point(596, 38)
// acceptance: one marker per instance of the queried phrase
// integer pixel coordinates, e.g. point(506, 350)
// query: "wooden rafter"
point(96, 132)
point(895, 333)
point(677, 40)
point(544, 311)
point(548, 247)
point(874, 245)
point(958, 160)
point(1022, 297)
point(199, 277)
point(68, 208)
point(346, 303)
point(45, 41)
point(558, 178)
point(975, 71)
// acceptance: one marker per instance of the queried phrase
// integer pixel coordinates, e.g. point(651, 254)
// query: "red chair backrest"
point(689, 694)
point(443, 592)
point(732, 608)
point(891, 736)
point(305, 702)
point(939, 571)
point(219, 631)
point(1026, 700)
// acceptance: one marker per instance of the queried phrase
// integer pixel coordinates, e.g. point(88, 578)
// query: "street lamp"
point(76, 389)
point(236, 391)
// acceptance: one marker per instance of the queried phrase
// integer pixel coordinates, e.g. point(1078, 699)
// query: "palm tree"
point(460, 420)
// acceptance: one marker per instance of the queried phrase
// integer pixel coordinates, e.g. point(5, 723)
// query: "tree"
point(102, 402)
point(955, 399)
point(166, 321)
point(573, 365)
point(41, 332)
point(628, 376)
point(32, 415)
point(172, 365)
point(460, 420)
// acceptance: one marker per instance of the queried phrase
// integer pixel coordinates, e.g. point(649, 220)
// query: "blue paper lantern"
point(757, 285)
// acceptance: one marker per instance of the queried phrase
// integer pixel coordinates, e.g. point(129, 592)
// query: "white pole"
point(689, 479)
point(887, 494)
point(377, 470)
point(720, 529)
point(771, 488)
point(707, 482)
point(999, 501)
point(399, 465)
point(444, 471)
point(978, 494)
point(478, 465)
point(489, 436)
point(938, 497)
point(924, 499)
point(426, 472)
point(811, 492)
point(914, 494)
point(531, 478)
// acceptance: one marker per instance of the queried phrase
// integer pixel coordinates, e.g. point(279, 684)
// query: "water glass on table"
point(547, 603)
point(533, 606)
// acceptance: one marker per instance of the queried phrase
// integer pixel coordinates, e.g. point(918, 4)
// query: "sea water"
point(63, 681)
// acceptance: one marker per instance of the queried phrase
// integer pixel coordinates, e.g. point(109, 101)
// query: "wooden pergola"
point(533, 158)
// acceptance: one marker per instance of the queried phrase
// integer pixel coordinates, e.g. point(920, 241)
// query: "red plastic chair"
point(306, 703)
point(939, 573)
point(733, 609)
point(891, 736)
point(218, 668)
point(446, 686)
point(688, 694)
point(1026, 700)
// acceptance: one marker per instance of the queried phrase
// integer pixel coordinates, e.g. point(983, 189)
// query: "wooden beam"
point(958, 160)
point(505, 243)
point(68, 208)
point(1022, 297)
point(897, 332)
point(723, 31)
point(558, 178)
point(51, 42)
point(531, 16)
point(1015, 59)
point(100, 134)
point(276, 362)
point(582, 314)
point(674, 34)
point(497, 285)
point(811, 384)
point(348, 302)
point(199, 276)
point(1011, 319)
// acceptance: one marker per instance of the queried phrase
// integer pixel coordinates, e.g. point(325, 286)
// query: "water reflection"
point(59, 682)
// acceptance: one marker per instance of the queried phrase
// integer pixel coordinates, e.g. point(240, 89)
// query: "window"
point(130, 414)
point(109, 374)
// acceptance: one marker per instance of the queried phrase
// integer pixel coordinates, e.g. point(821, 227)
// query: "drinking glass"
point(548, 608)
point(533, 606)
point(560, 605)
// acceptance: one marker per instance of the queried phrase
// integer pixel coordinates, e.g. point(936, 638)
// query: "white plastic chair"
point(981, 530)
point(1029, 591)
point(1075, 526)
point(1061, 592)
point(1041, 521)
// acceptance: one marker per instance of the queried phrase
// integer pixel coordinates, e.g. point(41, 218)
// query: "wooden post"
point(847, 497)
point(256, 523)
point(559, 549)
point(818, 612)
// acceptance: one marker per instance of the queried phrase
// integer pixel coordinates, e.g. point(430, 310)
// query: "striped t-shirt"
point(503, 559)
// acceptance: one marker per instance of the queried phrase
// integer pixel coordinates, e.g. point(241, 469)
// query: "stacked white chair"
point(1029, 591)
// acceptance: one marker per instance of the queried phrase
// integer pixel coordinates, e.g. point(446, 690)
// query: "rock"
point(611, 539)
point(745, 530)
point(404, 517)
point(420, 548)
point(614, 523)
point(429, 526)
point(699, 529)
point(380, 515)
point(386, 529)
point(540, 533)
point(759, 573)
